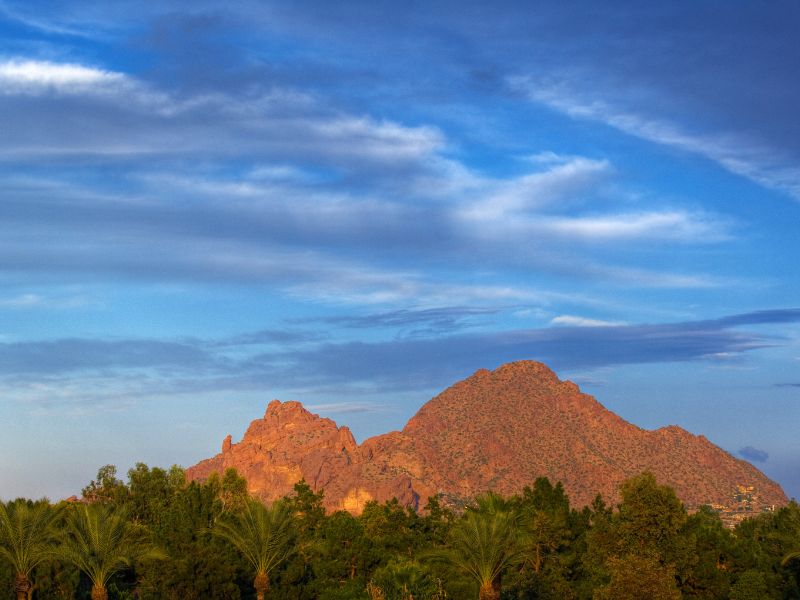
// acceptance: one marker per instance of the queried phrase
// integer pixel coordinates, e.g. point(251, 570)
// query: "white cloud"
point(280, 172)
point(669, 225)
point(654, 279)
point(28, 301)
point(548, 157)
point(275, 123)
point(269, 212)
point(37, 19)
point(574, 321)
point(22, 301)
point(736, 153)
point(527, 207)
point(346, 407)
point(501, 198)
point(381, 139)
point(32, 76)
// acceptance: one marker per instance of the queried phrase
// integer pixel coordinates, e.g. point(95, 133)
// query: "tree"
point(27, 537)
point(649, 524)
point(761, 544)
point(402, 580)
point(106, 488)
point(710, 575)
point(344, 558)
point(751, 585)
point(233, 494)
point(262, 535)
point(650, 519)
point(484, 543)
point(101, 541)
point(545, 516)
point(200, 565)
point(638, 577)
point(151, 491)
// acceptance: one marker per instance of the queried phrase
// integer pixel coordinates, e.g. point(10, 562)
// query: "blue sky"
point(206, 207)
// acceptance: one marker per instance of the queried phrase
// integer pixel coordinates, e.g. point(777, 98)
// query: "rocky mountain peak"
point(496, 430)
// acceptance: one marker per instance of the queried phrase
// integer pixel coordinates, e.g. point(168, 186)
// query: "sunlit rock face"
point(496, 430)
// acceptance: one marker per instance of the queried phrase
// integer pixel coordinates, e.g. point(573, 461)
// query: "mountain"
point(496, 430)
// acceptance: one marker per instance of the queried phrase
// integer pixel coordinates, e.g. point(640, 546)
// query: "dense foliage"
point(169, 539)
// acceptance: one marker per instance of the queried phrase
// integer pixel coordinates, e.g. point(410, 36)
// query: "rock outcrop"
point(496, 430)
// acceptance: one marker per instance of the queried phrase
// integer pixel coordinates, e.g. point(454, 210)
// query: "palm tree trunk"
point(261, 583)
point(488, 592)
point(22, 584)
point(99, 592)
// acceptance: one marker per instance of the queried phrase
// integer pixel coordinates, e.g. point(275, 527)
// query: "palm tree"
point(262, 535)
point(27, 537)
point(485, 542)
point(102, 541)
point(402, 579)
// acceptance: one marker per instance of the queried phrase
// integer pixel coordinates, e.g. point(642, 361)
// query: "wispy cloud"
point(272, 122)
point(80, 354)
point(339, 408)
point(281, 337)
point(156, 367)
point(304, 239)
point(549, 203)
point(538, 190)
point(38, 301)
point(735, 152)
point(41, 23)
point(669, 225)
point(33, 77)
point(575, 321)
point(319, 185)
point(424, 321)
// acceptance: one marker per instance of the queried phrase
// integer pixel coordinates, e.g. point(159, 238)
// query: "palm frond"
point(27, 534)
point(790, 557)
point(261, 534)
point(485, 541)
point(101, 541)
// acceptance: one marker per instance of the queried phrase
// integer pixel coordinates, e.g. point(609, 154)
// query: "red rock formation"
point(495, 430)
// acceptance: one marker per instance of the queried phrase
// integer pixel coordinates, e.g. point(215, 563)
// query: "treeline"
point(158, 537)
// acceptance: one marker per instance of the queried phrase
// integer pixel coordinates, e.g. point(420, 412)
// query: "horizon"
point(204, 208)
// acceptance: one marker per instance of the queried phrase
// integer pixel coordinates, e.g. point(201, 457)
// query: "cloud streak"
point(302, 360)
point(735, 152)
point(145, 121)
point(37, 77)
point(298, 236)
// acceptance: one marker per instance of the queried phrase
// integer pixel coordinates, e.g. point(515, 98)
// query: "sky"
point(208, 205)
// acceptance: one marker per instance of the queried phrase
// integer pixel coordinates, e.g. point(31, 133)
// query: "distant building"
point(745, 503)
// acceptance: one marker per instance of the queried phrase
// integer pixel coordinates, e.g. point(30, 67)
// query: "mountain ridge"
point(495, 430)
